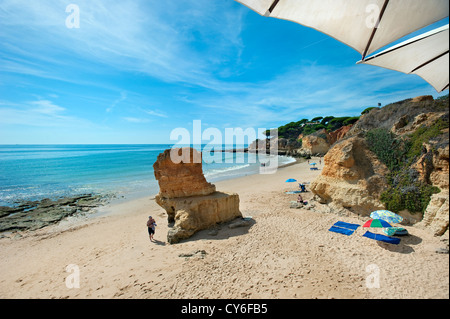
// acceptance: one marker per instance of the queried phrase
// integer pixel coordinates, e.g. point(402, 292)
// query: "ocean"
point(34, 172)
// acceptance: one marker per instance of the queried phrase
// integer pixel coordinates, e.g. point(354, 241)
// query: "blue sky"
point(135, 70)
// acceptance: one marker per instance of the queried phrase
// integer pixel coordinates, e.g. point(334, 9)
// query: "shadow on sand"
point(158, 242)
point(404, 247)
point(221, 231)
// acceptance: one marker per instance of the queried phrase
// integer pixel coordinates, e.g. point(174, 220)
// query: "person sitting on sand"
point(151, 223)
point(300, 199)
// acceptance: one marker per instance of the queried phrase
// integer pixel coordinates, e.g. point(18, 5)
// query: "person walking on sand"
point(151, 223)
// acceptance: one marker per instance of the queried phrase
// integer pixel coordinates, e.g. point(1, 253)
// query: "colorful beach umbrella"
point(386, 215)
point(376, 223)
point(395, 231)
point(291, 180)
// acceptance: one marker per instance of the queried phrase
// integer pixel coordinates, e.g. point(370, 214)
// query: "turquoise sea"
point(33, 172)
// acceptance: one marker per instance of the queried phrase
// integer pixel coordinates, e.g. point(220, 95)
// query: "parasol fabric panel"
point(260, 6)
point(426, 55)
point(365, 25)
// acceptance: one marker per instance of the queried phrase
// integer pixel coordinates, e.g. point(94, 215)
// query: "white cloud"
point(308, 90)
point(135, 120)
point(123, 96)
point(46, 107)
point(156, 113)
point(149, 37)
point(41, 113)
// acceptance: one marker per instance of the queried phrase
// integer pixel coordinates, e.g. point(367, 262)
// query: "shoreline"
point(121, 199)
point(66, 206)
point(285, 253)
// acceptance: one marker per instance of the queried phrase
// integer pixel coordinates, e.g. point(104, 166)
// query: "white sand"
point(286, 253)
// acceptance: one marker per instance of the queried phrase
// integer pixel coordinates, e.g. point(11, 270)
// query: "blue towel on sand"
point(346, 225)
point(386, 239)
point(340, 230)
point(343, 228)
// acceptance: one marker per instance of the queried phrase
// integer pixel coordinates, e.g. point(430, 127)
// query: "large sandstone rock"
point(433, 165)
point(191, 203)
point(316, 143)
point(191, 214)
point(320, 142)
point(339, 134)
point(440, 175)
point(436, 217)
point(179, 173)
point(422, 98)
point(352, 177)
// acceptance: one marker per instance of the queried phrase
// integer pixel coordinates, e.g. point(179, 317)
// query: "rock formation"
point(422, 98)
point(179, 174)
point(352, 177)
point(191, 203)
point(436, 217)
point(192, 214)
point(388, 116)
point(316, 143)
point(281, 145)
point(32, 215)
point(433, 167)
point(338, 135)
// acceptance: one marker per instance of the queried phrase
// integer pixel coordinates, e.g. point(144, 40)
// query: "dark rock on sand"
point(32, 215)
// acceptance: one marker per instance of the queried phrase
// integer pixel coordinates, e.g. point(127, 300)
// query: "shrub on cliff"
point(366, 111)
point(424, 134)
point(389, 149)
point(406, 190)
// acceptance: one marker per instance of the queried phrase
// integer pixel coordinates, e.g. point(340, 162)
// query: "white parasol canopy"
point(426, 55)
point(365, 25)
point(369, 25)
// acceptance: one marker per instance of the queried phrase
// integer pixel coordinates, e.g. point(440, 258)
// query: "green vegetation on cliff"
point(406, 190)
point(292, 131)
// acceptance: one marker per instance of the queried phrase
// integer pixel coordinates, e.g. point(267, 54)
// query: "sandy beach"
point(285, 253)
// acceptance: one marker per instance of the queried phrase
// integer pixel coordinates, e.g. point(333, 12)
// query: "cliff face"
point(354, 178)
point(318, 143)
point(436, 216)
point(339, 134)
point(315, 144)
point(284, 146)
point(396, 115)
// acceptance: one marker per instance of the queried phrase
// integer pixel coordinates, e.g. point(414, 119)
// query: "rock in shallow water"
point(32, 215)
